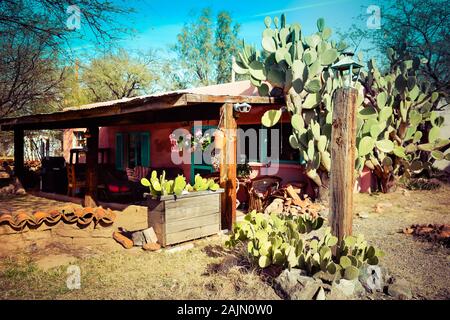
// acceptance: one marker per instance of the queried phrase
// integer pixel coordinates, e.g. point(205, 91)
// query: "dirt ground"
point(426, 266)
point(208, 271)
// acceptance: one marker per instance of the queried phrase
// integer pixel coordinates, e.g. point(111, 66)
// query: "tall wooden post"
point(228, 167)
point(92, 168)
point(18, 153)
point(342, 173)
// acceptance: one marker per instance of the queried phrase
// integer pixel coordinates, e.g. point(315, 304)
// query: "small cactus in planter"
point(162, 187)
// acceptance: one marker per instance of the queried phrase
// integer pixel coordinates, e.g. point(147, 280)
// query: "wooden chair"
point(260, 189)
point(72, 182)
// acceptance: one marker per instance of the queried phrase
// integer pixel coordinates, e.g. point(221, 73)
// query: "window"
point(257, 145)
point(79, 141)
point(132, 149)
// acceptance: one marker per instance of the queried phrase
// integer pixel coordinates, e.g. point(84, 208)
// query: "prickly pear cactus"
point(283, 241)
point(296, 66)
point(398, 130)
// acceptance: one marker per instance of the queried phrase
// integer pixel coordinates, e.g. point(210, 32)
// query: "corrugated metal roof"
point(233, 88)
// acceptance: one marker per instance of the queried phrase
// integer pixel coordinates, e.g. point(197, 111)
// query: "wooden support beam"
point(343, 145)
point(228, 167)
point(18, 153)
point(90, 197)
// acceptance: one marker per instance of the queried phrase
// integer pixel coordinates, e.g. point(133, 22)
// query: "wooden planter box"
point(186, 217)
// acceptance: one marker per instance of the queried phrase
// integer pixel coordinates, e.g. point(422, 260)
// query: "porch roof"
point(159, 107)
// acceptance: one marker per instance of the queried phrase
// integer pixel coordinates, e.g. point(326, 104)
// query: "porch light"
point(344, 70)
point(242, 107)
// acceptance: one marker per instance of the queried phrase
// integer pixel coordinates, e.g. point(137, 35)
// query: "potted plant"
point(180, 212)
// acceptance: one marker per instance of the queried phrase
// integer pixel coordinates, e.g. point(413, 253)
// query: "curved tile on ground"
point(69, 214)
point(22, 218)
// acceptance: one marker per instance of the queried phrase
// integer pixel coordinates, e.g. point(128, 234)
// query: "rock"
point(294, 285)
point(138, 238)
point(349, 288)
point(276, 206)
point(150, 235)
point(325, 276)
point(151, 246)
point(320, 294)
point(378, 208)
point(400, 289)
point(373, 278)
point(363, 215)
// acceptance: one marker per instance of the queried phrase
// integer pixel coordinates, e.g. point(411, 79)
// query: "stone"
point(138, 238)
point(349, 288)
point(400, 289)
point(276, 206)
point(150, 235)
point(324, 276)
point(363, 215)
point(21, 192)
point(294, 285)
point(373, 278)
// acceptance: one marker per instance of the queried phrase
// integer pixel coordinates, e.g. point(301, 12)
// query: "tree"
point(205, 48)
point(34, 37)
point(414, 29)
point(29, 73)
point(226, 46)
point(118, 75)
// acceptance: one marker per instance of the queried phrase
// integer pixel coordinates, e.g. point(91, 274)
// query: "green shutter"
point(119, 151)
point(145, 149)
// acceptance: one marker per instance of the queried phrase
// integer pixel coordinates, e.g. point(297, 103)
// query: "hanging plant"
point(189, 141)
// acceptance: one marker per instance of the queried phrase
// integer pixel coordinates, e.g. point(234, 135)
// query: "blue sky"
point(157, 22)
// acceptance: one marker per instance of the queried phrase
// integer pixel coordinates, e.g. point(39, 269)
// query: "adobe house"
point(136, 133)
point(152, 139)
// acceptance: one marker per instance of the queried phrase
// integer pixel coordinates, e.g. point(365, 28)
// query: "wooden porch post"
point(228, 167)
point(342, 173)
point(92, 168)
point(18, 153)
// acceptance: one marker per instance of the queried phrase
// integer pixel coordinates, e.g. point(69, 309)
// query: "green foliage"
point(396, 112)
point(298, 66)
point(394, 109)
point(159, 186)
point(205, 47)
point(282, 240)
point(115, 76)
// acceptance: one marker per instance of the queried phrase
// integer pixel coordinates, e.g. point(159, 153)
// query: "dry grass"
point(205, 272)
